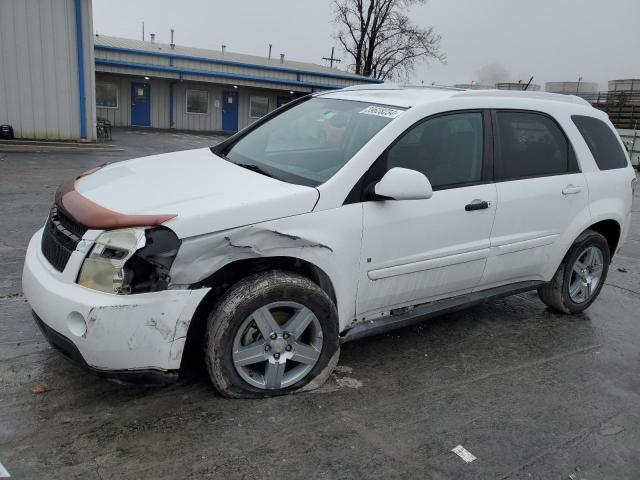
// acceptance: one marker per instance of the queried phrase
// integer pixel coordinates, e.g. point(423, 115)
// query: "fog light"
point(76, 324)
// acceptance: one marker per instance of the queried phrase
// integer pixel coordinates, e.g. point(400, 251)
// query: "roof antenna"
point(527, 85)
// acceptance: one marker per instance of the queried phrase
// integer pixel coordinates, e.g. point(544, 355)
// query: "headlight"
point(130, 260)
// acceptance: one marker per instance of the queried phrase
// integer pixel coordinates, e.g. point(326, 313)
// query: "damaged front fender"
point(329, 240)
point(201, 256)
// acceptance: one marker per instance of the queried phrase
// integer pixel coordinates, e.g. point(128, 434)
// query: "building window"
point(197, 101)
point(106, 95)
point(258, 107)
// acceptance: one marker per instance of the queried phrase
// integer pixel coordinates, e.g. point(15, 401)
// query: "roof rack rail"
point(395, 86)
point(554, 97)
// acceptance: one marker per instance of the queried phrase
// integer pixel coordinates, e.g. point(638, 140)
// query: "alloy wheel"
point(586, 274)
point(277, 345)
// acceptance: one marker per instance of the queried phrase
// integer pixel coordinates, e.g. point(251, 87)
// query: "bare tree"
point(381, 39)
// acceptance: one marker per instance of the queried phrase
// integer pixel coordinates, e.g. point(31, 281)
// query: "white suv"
point(340, 215)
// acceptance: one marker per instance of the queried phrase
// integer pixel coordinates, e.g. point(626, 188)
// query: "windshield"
point(308, 143)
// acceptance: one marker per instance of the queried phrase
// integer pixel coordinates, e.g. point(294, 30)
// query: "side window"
point(447, 149)
point(529, 145)
point(602, 142)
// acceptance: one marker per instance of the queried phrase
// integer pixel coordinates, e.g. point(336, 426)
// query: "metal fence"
point(620, 98)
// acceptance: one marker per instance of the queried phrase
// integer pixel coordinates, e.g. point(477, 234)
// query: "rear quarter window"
point(603, 143)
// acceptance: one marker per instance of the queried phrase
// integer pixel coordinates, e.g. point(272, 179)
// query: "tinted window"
point(447, 149)
point(602, 142)
point(530, 145)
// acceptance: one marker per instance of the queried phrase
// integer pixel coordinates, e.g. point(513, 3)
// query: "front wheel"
point(580, 276)
point(272, 333)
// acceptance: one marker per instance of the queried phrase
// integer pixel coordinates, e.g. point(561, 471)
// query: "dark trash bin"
point(6, 132)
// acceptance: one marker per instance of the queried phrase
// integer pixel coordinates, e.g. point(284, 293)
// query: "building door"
point(230, 111)
point(140, 105)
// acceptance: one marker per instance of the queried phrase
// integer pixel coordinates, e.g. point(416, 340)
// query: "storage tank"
point(624, 92)
point(626, 85)
point(586, 90)
point(517, 86)
point(473, 86)
point(571, 88)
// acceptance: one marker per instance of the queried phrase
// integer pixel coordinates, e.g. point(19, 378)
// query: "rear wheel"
point(581, 275)
point(272, 333)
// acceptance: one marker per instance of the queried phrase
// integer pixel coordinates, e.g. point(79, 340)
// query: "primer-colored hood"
point(204, 191)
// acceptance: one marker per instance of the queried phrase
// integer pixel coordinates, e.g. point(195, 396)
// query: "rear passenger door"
point(541, 194)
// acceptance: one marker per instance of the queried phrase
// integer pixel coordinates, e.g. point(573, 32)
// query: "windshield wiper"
point(254, 168)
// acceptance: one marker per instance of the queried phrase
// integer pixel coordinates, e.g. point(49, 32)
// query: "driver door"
point(415, 251)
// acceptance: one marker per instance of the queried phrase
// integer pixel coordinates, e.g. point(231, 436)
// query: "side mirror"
point(402, 184)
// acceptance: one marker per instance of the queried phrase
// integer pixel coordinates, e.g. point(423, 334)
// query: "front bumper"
point(141, 335)
point(68, 349)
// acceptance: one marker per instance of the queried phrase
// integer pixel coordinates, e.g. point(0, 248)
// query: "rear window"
point(602, 142)
point(531, 145)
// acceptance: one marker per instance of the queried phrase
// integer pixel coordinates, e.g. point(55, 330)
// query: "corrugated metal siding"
point(194, 121)
point(273, 64)
point(160, 97)
point(39, 78)
point(121, 116)
point(148, 54)
point(140, 70)
point(245, 95)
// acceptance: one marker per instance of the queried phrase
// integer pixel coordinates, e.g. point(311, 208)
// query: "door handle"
point(571, 189)
point(476, 205)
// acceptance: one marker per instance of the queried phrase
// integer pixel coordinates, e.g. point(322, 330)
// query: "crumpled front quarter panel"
point(331, 240)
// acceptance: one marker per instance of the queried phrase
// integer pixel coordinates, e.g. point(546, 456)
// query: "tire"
point(557, 295)
point(239, 325)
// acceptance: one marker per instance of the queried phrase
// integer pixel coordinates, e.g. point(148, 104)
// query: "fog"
point(484, 40)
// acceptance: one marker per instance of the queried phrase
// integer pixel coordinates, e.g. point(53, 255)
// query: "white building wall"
point(39, 87)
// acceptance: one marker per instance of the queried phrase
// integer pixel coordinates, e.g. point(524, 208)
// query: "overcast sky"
point(553, 40)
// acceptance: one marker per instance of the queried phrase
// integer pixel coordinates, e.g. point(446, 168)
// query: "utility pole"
point(331, 59)
point(143, 31)
point(578, 86)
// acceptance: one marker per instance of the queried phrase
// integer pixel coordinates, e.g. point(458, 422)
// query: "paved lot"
point(530, 393)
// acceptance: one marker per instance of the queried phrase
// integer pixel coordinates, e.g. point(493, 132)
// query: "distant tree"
point(381, 40)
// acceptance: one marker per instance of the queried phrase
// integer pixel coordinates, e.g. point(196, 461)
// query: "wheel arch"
point(232, 273)
point(610, 230)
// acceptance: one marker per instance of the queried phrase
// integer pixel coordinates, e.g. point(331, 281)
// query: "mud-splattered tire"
point(572, 289)
point(272, 333)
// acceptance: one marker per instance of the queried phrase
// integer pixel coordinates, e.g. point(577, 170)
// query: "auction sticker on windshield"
point(381, 111)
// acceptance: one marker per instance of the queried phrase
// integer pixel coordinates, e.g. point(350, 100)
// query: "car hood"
point(203, 192)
